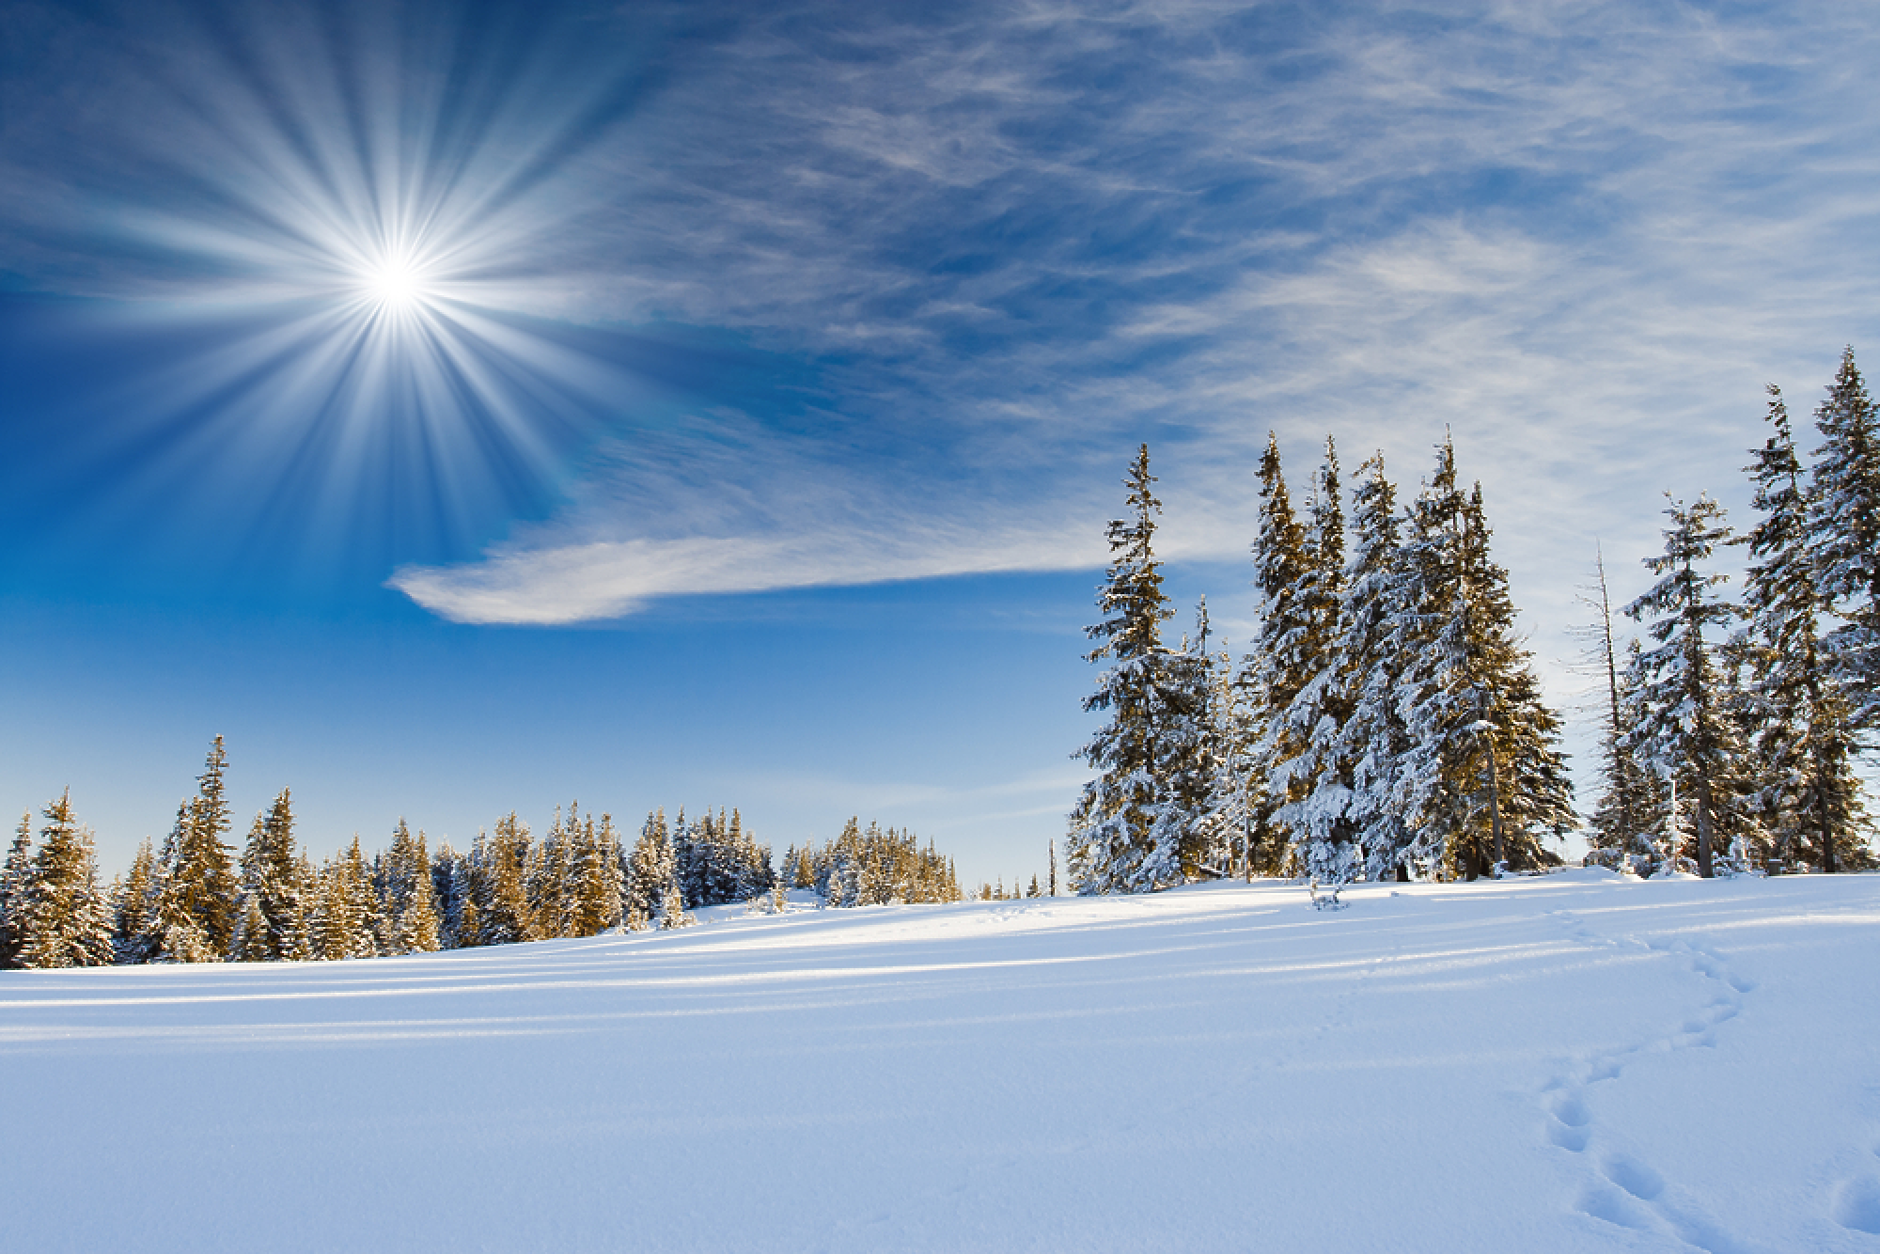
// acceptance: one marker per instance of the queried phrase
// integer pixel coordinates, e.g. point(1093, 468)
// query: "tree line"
point(1388, 724)
point(194, 899)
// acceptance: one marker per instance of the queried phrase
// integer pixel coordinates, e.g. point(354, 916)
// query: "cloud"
point(1000, 245)
point(570, 583)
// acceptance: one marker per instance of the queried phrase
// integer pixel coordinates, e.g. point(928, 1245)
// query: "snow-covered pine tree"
point(594, 905)
point(549, 881)
point(1685, 734)
point(642, 890)
point(1377, 619)
point(13, 877)
point(1799, 713)
point(1234, 795)
point(270, 876)
point(196, 902)
point(347, 908)
point(653, 895)
point(1182, 701)
point(1311, 775)
point(250, 943)
point(1844, 533)
point(1281, 663)
point(63, 918)
point(1114, 843)
point(1482, 780)
point(505, 907)
point(132, 906)
point(302, 939)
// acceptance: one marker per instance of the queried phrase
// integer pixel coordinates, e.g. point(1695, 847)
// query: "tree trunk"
point(1703, 826)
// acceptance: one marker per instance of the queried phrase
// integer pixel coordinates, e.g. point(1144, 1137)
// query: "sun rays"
point(357, 261)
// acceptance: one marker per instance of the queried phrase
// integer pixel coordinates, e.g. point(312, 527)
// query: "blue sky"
point(473, 406)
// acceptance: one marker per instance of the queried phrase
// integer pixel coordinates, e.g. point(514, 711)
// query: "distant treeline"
point(193, 899)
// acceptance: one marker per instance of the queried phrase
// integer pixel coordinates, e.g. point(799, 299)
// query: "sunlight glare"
point(396, 284)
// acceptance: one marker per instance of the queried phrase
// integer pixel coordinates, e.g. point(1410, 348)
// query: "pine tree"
point(1844, 533)
point(1799, 714)
point(1115, 843)
point(63, 918)
point(1377, 622)
point(653, 895)
point(1482, 780)
point(348, 907)
point(504, 903)
point(195, 913)
point(1684, 734)
point(1311, 774)
point(133, 906)
point(13, 877)
point(547, 878)
point(270, 878)
point(1282, 661)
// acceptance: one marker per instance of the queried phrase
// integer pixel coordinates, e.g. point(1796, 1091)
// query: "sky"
point(474, 407)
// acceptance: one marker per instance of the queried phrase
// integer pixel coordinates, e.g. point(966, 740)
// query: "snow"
point(1579, 1061)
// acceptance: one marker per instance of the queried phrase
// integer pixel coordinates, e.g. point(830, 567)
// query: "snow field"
point(1572, 1062)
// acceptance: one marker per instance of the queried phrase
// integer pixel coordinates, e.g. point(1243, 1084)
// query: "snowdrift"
point(1574, 1062)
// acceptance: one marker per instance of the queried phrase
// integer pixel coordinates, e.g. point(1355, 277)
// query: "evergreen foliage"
point(880, 868)
point(270, 887)
point(13, 878)
point(1129, 828)
point(1684, 733)
point(195, 912)
point(61, 918)
point(1798, 712)
point(1844, 533)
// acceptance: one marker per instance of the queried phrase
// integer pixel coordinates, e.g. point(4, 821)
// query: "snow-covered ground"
point(1576, 1062)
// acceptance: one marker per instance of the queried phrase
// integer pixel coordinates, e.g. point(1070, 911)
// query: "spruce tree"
point(1685, 734)
point(1482, 780)
point(1281, 663)
point(348, 907)
point(13, 877)
point(652, 893)
point(504, 905)
point(1377, 620)
point(196, 903)
point(1844, 533)
point(1800, 714)
point(1115, 843)
point(1313, 778)
point(64, 920)
point(133, 907)
point(270, 879)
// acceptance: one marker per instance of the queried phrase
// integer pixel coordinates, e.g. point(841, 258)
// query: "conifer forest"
point(1385, 724)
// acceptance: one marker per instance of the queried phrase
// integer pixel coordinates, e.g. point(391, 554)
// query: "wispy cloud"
point(1005, 243)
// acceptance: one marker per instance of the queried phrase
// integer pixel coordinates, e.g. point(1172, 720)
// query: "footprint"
point(1634, 1177)
point(1607, 1203)
point(1571, 1111)
point(1568, 1128)
point(1857, 1204)
point(1572, 1140)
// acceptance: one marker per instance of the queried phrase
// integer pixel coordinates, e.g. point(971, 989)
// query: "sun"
point(396, 283)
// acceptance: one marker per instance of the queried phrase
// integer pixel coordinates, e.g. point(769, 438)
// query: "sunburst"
point(373, 280)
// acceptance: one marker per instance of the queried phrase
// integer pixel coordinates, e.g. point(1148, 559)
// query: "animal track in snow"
point(1625, 1191)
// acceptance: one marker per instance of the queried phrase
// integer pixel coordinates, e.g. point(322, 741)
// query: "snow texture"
point(1572, 1062)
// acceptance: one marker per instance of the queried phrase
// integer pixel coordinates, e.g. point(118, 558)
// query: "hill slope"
point(1569, 1063)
